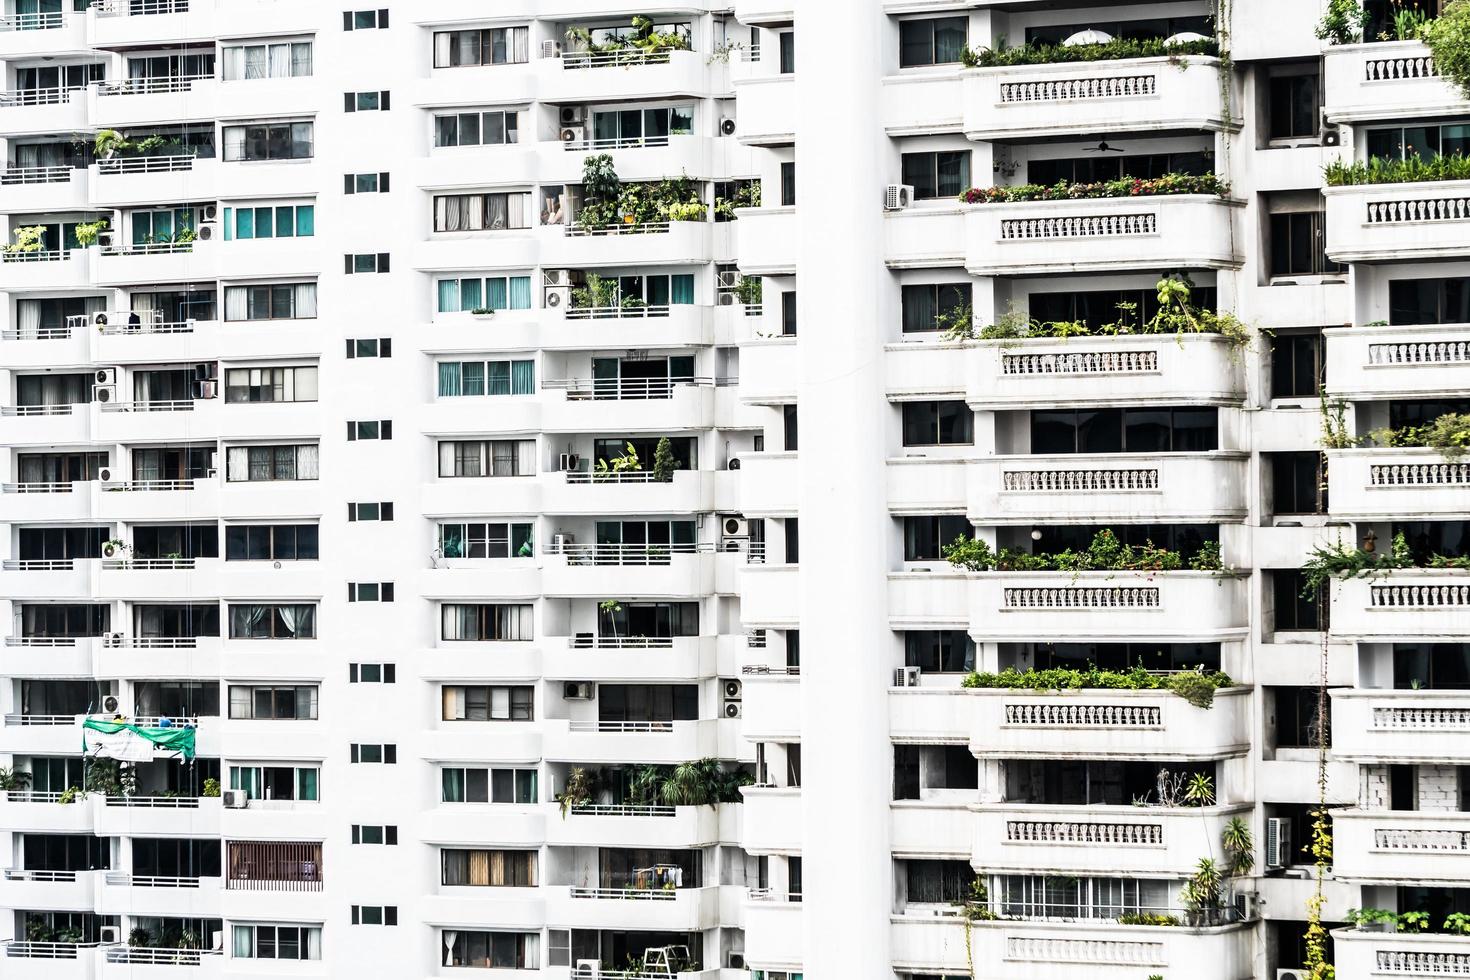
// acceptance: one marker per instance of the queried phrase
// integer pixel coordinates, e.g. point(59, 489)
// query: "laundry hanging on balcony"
point(134, 743)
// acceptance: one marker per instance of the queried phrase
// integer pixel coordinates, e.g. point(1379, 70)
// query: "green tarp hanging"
point(134, 743)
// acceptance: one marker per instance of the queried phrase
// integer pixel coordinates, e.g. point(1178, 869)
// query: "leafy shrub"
point(1147, 919)
point(1448, 38)
point(1342, 22)
point(1105, 554)
point(1195, 686)
point(1117, 48)
point(1411, 169)
point(1064, 190)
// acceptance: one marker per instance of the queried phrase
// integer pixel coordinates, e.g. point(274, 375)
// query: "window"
point(371, 753)
point(273, 703)
point(926, 305)
point(476, 702)
point(471, 785)
point(378, 101)
point(790, 430)
point(372, 674)
point(1295, 105)
point(466, 378)
point(1298, 242)
point(376, 183)
point(939, 651)
point(1431, 666)
point(1297, 483)
point(159, 226)
point(937, 174)
point(271, 384)
point(1100, 307)
point(494, 950)
point(492, 127)
point(938, 424)
point(641, 127)
point(274, 59)
point(255, 464)
point(369, 347)
point(485, 621)
point(939, 882)
point(1421, 142)
point(375, 915)
point(1297, 364)
point(1123, 430)
point(375, 834)
point(488, 540)
point(254, 621)
point(278, 942)
point(277, 782)
point(495, 46)
point(1412, 302)
point(931, 42)
point(1295, 613)
point(1156, 28)
point(482, 212)
point(788, 314)
point(925, 537)
point(491, 293)
point(365, 20)
point(788, 184)
point(1295, 710)
point(160, 66)
point(1110, 166)
point(285, 302)
point(500, 457)
point(487, 868)
point(1067, 897)
point(279, 221)
point(369, 591)
point(787, 46)
point(370, 511)
point(379, 429)
point(269, 141)
point(368, 262)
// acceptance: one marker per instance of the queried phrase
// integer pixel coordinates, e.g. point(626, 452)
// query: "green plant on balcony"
point(1413, 921)
point(140, 937)
point(580, 789)
point(1360, 918)
point(1199, 788)
point(1448, 39)
point(1408, 170)
point(1195, 686)
point(748, 290)
point(643, 39)
point(1345, 561)
point(1342, 22)
point(747, 195)
point(1147, 919)
point(71, 934)
point(1065, 190)
point(1239, 847)
point(13, 779)
point(28, 238)
point(211, 788)
point(626, 463)
point(1202, 894)
point(701, 783)
point(1449, 434)
point(87, 231)
point(1002, 56)
point(956, 324)
point(664, 463)
point(70, 795)
point(1105, 554)
point(1457, 924)
point(596, 293)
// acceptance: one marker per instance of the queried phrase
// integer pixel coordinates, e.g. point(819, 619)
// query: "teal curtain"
point(495, 294)
point(285, 222)
point(142, 227)
point(682, 291)
point(229, 223)
point(497, 378)
point(306, 784)
point(472, 374)
point(448, 379)
point(520, 292)
point(245, 223)
point(470, 295)
point(306, 221)
point(449, 296)
point(452, 785)
point(523, 377)
point(265, 225)
point(244, 945)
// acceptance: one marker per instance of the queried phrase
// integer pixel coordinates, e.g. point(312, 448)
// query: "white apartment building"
point(402, 404)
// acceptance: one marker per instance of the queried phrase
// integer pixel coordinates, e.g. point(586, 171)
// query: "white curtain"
point(237, 303)
point(301, 59)
point(237, 463)
point(453, 703)
point(234, 66)
point(304, 381)
point(526, 457)
point(280, 61)
point(533, 939)
point(449, 937)
point(234, 142)
point(289, 618)
point(520, 44)
point(446, 459)
point(307, 462)
point(28, 317)
point(306, 301)
point(255, 61)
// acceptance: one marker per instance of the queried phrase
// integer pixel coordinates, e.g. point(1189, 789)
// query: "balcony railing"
point(123, 879)
point(38, 96)
point(1399, 67)
point(35, 333)
point(39, 721)
point(587, 641)
point(611, 810)
point(43, 255)
point(11, 411)
point(125, 8)
point(50, 21)
point(582, 389)
point(178, 405)
point(41, 641)
point(147, 486)
point(611, 476)
point(146, 165)
point(615, 312)
point(144, 86)
point(118, 641)
point(46, 951)
point(160, 326)
point(632, 894)
point(144, 955)
point(618, 143)
point(609, 59)
point(38, 564)
point(623, 228)
point(626, 554)
point(23, 874)
point(148, 248)
point(158, 802)
point(147, 564)
point(35, 175)
point(622, 727)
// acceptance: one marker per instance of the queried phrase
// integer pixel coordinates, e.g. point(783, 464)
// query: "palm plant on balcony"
point(11, 779)
point(580, 789)
point(1202, 894)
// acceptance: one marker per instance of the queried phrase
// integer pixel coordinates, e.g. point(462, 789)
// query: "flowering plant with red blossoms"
point(1122, 187)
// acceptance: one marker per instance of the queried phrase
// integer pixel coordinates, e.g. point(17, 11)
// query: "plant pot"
point(1379, 927)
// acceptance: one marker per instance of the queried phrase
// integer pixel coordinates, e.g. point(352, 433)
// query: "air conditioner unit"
point(201, 372)
point(1278, 842)
point(557, 297)
point(728, 299)
point(109, 934)
point(906, 677)
point(100, 319)
point(1331, 135)
point(551, 49)
point(1284, 974)
point(727, 126)
point(732, 709)
point(556, 277)
point(113, 640)
point(573, 134)
point(105, 475)
point(735, 527)
point(578, 690)
point(236, 799)
point(111, 549)
point(209, 212)
point(731, 689)
point(105, 376)
point(586, 968)
point(206, 389)
point(896, 197)
point(736, 961)
point(561, 539)
point(104, 394)
point(1247, 906)
point(727, 278)
point(573, 115)
point(206, 231)
point(734, 463)
point(110, 703)
point(733, 545)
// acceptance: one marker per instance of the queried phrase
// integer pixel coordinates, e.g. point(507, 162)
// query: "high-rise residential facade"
point(402, 497)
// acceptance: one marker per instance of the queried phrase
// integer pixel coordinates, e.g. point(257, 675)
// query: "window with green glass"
point(162, 226)
point(267, 221)
point(494, 293)
point(468, 378)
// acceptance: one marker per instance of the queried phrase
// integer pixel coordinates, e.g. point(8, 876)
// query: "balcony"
point(130, 181)
point(615, 742)
point(666, 910)
point(766, 241)
point(43, 189)
point(772, 819)
point(1359, 953)
point(607, 658)
point(24, 36)
point(133, 102)
point(44, 813)
point(1376, 363)
point(921, 484)
point(132, 962)
point(644, 328)
point(772, 708)
point(773, 932)
point(154, 23)
point(44, 110)
point(1124, 840)
point(1137, 95)
point(1186, 487)
point(643, 826)
point(768, 368)
point(128, 894)
point(45, 425)
point(51, 961)
point(629, 492)
point(1401, 847)
point(633, 405)
point(1080, 950)
point(32, 734)
point(768, 484)
point(642, 571)
point(938, 826)
point(768, 597)
point(1188, 231)
point(44, 271)
point(1372, 727)
point(1398, 222)
point(157, 816)
point(132, 265)
point(1401, 484)
point(1384, 81)
point(579, 247)
point(767, 115)
point(626, 75)
point(1136, 606)
point(26, 889)
point(1407, 605)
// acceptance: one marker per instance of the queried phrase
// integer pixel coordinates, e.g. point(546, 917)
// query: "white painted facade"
point(864, 791)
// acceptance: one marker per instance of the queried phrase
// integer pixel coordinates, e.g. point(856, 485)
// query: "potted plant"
point(1373, 920)
point(13, 779)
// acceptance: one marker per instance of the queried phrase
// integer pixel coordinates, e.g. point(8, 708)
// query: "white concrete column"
point(847, 758)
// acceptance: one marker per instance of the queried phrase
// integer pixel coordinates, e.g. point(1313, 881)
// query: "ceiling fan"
point(1103, 147)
